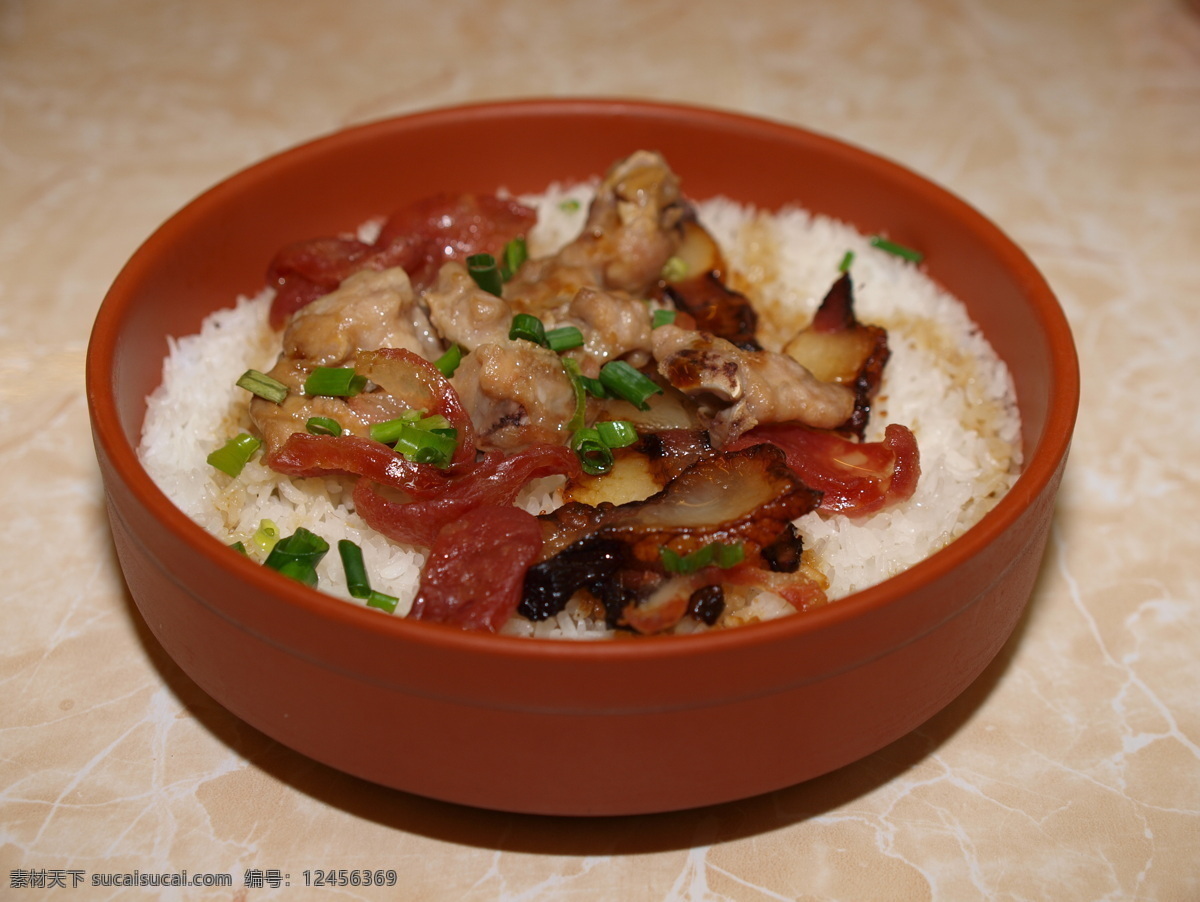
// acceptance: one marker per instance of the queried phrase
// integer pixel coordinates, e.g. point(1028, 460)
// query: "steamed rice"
point(943, 381)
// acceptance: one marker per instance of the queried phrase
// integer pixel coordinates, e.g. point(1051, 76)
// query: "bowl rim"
point(1041, 466)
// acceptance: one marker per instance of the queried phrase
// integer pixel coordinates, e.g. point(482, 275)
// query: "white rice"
point(943, 381)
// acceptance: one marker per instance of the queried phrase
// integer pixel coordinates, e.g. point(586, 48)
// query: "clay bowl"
point(556, 727)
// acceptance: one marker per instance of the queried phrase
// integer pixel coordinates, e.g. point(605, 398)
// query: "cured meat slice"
point(474, 573)
point(853, 477)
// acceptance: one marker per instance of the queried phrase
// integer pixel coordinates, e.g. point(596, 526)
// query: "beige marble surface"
point(1069, 771)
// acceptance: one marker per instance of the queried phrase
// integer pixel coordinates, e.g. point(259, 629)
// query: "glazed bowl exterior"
point(558, 727)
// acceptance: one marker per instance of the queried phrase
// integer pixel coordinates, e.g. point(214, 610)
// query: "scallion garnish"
point(722, 554)
point(266, 535)
point(422, 439)
point(563, 338)
point(297, 556)
point(323, 426)
point(300, 571)
point(594, 455)
point(263, 386)
point(662, 317)
point(357, 583)
point(233, 456)
point(483, 269)
point(389, 430)
point(382, 601)
point(356, 570)
point(528, 327)
point(434, 423)
point(617, 433)
point(386, 432)
point(673, 561)
point(571, 366)
point(515, 253)
point(334, 382)
point(423, 446)
point(449, 361)
point(628, 384)
point(729, 555)
point(898, 250)
point(239, 547)
point(302, 545)
point(570, 205)
point(594, 387)
point(847, 259)
point(674, 269)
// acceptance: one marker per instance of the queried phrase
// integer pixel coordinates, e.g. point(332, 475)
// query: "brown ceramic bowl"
point(557, 727)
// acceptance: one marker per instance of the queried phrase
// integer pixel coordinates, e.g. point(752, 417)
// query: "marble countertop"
point(1069, 771)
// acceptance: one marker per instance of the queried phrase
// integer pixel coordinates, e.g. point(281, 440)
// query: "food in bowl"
point(603, 410)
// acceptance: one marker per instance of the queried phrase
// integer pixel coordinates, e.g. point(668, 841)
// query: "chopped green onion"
point(434, 423)
point(266, 535)
point(356, 571)
point(693, 561)
point(483, 269)
point(239, 547)
point(898, 250)
point(357, 583)
point(594, 455)
point(617, 433)
point(719, 553)
point(389, 430)
point(383, 602)
point(847, 259)
point(449, 361)
point(729, 555)
point(302, 545)
point(323, 426)
point(334, 382)
point(674, 269)
point(300, 571)
point(233, 456)
point(628, 384)
point(587, 384)
point(563, 338)
point(263, 386)
point(594, 387)
point(571, 366)
point(427, 446)
point(570, 205)
point(297, 556)
point(515, 253)
point(662, 317)
point(672, 561)
point(528, 327)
